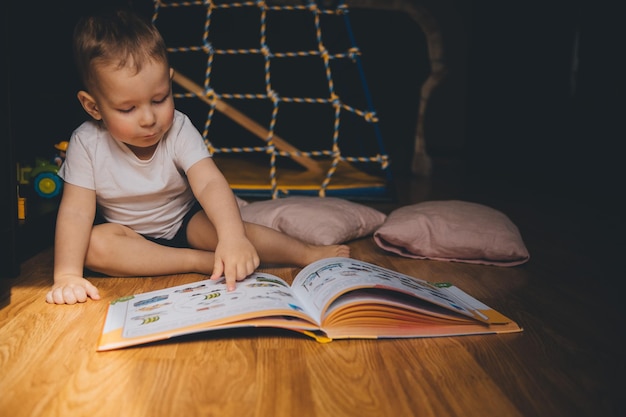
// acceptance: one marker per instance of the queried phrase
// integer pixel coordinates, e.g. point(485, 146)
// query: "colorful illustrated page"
point(319, 284)
point(207, 301)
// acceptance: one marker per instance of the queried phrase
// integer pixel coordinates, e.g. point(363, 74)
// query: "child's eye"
point(161, 100)
point(126, 110)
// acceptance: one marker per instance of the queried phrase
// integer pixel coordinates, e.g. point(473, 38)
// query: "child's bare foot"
point(315, 253)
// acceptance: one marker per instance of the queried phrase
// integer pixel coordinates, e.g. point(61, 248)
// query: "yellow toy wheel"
point(48, 184)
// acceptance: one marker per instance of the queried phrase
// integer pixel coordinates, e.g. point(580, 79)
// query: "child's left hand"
point(235, 259)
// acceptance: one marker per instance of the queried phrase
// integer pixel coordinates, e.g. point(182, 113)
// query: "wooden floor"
point(569, 361)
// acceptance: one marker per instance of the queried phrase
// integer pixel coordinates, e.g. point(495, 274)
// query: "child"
point(145, 170)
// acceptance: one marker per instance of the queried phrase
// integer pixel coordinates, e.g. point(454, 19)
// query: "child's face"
point(136, 108)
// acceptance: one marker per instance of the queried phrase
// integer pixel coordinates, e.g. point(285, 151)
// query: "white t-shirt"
point(152, 196)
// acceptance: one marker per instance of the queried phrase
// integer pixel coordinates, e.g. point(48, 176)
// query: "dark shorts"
point(180, 238)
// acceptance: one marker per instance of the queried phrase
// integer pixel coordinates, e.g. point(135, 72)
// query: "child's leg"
point(118, 251)
point(276, 247)
point(272, 246)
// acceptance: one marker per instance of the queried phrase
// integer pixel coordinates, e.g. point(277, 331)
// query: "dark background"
point(536, 116)
point(534, 98)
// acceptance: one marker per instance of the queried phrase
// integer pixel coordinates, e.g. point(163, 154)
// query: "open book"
point(334, 298)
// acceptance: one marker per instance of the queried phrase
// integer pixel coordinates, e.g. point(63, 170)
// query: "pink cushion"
point(241, 202)
point(453, 231)
point(316, 220)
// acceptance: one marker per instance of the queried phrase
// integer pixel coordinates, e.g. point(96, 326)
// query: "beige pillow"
point(316, 220)
point(241, 202)
point(453, 231)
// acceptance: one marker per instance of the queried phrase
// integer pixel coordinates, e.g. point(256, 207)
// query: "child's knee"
point(103, 239)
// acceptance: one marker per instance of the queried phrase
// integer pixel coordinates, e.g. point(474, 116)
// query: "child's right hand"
point(235, 258)
point(72, 290)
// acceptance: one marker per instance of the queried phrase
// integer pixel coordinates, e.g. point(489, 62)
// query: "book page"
point(208, 302)
point(351, 305)
point(320, 283)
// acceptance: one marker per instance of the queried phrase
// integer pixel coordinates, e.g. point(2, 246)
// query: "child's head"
point(122, 60)
point(120, 39)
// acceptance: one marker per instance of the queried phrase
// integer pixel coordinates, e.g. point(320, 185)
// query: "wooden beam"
point(246, 122)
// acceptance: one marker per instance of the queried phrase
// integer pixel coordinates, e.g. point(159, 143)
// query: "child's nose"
point(148, 117)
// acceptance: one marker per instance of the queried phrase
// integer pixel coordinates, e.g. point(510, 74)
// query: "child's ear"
point(89, 104)
point(171, 74)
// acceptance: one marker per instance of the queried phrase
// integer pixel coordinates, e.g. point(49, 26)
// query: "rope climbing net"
point(347, 135)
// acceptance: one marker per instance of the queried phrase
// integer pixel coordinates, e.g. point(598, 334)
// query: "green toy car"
point(45, 180)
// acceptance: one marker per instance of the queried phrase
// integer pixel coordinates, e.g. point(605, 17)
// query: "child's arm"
point(73, 230)
point(235, 256)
